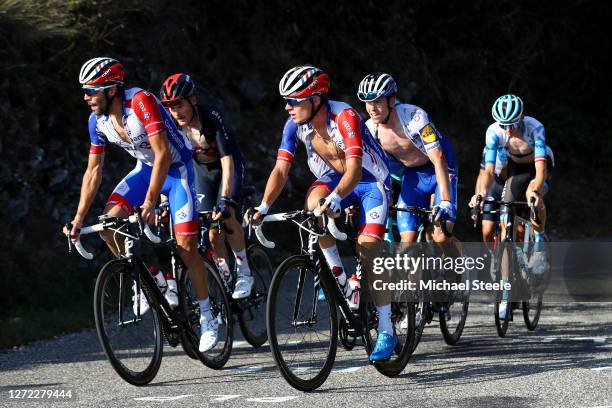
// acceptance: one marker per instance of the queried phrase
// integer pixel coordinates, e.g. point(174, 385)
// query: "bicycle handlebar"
point(331, 226)
point(424, 213)
point(109, 223)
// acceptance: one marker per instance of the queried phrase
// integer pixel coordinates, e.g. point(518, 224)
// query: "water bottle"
point(159, 278)
point(354, 285)
point(225, 270)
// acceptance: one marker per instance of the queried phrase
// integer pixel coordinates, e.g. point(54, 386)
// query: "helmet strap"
point(384, 122)
point(314, 110)
point(108, 101)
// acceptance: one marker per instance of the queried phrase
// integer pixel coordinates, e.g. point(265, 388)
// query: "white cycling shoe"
point(538, 263)
point(503, 309)
point(171, 293)
point(139, 300)
point(209, 334)
point(244, 286)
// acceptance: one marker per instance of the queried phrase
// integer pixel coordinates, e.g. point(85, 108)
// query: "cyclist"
point(133, 119)
point(350, 167)
point(218, 169)
point(529, 169)
point(408, 136)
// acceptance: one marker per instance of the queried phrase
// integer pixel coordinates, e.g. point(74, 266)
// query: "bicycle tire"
point(220, 306)
point(103, 302)
point(451, 337)
point(254, 309)
point(278, 301)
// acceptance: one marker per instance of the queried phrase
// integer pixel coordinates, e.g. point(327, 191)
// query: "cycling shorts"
point(178, 187)
point(418, 184)
point(372, 198)
point(208, 186)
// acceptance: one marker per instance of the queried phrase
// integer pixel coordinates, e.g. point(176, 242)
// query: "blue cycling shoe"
point(385, 344)
point(321, 295)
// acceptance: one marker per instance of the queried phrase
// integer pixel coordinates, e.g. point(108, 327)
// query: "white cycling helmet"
point(376, 85)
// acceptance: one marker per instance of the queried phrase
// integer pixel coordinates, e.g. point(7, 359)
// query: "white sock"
point(242, 263)
point(384, 319)
point(335, 263)
point(205, 311)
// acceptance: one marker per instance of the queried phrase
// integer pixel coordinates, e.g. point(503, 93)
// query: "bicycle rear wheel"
point(302, 331)
point(133, 344)
point(253, 317)
point(221, 310)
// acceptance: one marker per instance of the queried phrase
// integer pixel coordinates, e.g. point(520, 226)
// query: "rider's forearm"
point(275, 185)
point(91, 183)
point(350, 178)
point(161, 165)
point(540, 177)
point(227, 175)
point(488, 176)
point(442, 179)
point(479, 180)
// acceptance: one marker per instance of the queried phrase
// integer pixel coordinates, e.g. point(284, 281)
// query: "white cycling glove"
point(263, 208)
point(333, 202)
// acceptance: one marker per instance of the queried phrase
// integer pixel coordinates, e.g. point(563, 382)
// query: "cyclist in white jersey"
point(524, 139)
point(134, 119)
point(349, 165)
point(408, 136)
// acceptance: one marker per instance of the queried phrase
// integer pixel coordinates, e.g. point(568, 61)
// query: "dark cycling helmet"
point(303, 81)
point(507, 109)
point(176, 87)
point(101, 71)
point(376, 85)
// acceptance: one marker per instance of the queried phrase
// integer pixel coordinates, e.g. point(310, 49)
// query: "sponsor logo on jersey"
point(428, 134)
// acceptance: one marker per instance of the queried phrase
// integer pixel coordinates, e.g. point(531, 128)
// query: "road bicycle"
point(133, 339)
point(303, 331)
point(452, 307)
point(512, 254)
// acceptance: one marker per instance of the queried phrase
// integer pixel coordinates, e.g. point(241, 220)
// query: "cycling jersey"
point(218, 140)
point(533, 134)
point(143, 118)
point(419, 183)
point(208, 172)
point(417, 127)
point(348, 132)
point(500, 161)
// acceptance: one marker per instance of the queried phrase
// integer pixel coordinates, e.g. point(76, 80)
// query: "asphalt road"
point(566, 362)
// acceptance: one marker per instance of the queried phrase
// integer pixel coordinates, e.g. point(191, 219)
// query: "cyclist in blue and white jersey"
point(134, 120)
point(529, 167)
point(408, 136)
point(349, 165)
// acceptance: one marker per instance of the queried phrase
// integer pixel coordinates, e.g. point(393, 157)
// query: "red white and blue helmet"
point(101, 71)
point(177, 86)
point(303, 81)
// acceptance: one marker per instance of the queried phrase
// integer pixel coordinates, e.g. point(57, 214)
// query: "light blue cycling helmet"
point(375, 85)
point(507, 109)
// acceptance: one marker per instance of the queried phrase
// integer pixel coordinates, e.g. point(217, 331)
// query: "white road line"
point(271, 399)
point(252, 369)
point(602, 369)
point(345, 370)
point(160, 399)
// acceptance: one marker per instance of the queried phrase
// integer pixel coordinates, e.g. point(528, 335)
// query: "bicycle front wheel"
point(253, 317)
point(132, 340)
point(303, 331)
